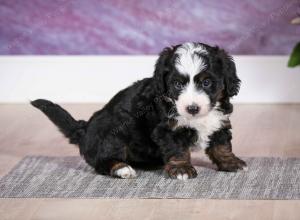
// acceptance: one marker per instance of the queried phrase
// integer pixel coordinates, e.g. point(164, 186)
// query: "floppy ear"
point(231, 80)
point(162, 68)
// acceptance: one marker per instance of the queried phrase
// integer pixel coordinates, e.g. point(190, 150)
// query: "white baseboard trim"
point(265, 79)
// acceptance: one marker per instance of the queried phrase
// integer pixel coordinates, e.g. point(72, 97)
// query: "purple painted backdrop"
point(145, 27)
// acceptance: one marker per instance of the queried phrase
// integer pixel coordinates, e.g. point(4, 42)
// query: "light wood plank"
point(259, 130)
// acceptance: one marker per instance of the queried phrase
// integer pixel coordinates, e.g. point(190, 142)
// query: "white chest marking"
point(205, 125)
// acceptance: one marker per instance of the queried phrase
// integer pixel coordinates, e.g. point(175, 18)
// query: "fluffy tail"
point(72, 129)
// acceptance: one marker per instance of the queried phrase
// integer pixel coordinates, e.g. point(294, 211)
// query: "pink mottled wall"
point(145, 26)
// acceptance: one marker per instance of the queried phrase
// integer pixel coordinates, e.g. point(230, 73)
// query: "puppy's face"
point(196, 77)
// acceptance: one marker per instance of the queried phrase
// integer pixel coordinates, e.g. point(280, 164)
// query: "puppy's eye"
point(206, 83)
point(178, 85)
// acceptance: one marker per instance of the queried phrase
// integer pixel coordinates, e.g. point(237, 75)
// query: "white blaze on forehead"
point(188, 61)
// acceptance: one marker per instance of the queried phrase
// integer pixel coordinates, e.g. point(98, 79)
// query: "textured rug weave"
point(71, 177)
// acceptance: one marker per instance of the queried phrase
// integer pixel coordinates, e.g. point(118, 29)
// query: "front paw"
point(182, 171)
point(232, 164)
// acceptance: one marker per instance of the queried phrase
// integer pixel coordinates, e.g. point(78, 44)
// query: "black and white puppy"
point(157, 120)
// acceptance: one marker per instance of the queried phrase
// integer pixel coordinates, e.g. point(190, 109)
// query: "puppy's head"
point(196, 76)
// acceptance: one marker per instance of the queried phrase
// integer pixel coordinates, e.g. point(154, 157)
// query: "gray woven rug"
point(71, 177)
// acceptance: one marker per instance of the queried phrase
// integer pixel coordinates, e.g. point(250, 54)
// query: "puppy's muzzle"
point(193, 109)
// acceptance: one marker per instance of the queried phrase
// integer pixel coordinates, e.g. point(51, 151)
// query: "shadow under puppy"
point(157, 120)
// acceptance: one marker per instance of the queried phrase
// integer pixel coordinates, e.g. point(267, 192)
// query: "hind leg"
point(123, 171)
point(108, 156)
point(115, 168)
point(106, 149)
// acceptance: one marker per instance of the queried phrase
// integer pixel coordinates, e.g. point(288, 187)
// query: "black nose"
point(193, 109)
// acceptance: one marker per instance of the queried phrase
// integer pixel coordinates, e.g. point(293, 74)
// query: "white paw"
point(245, 168)
point(125, 172)
point(182, 176)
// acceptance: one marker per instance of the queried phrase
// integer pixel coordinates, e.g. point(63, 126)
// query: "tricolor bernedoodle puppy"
point(157, 120)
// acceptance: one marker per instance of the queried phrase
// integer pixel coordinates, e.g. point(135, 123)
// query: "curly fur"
point(142, 125)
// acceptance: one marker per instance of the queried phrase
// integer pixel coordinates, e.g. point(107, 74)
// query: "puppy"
point(157, 120)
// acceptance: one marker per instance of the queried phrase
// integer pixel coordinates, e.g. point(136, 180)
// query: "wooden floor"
point(259, 130)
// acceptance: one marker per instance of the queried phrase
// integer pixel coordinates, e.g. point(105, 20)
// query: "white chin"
point(189, 117)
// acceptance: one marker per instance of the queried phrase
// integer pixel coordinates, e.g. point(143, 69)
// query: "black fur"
point(136, 125)
point(72, 129)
